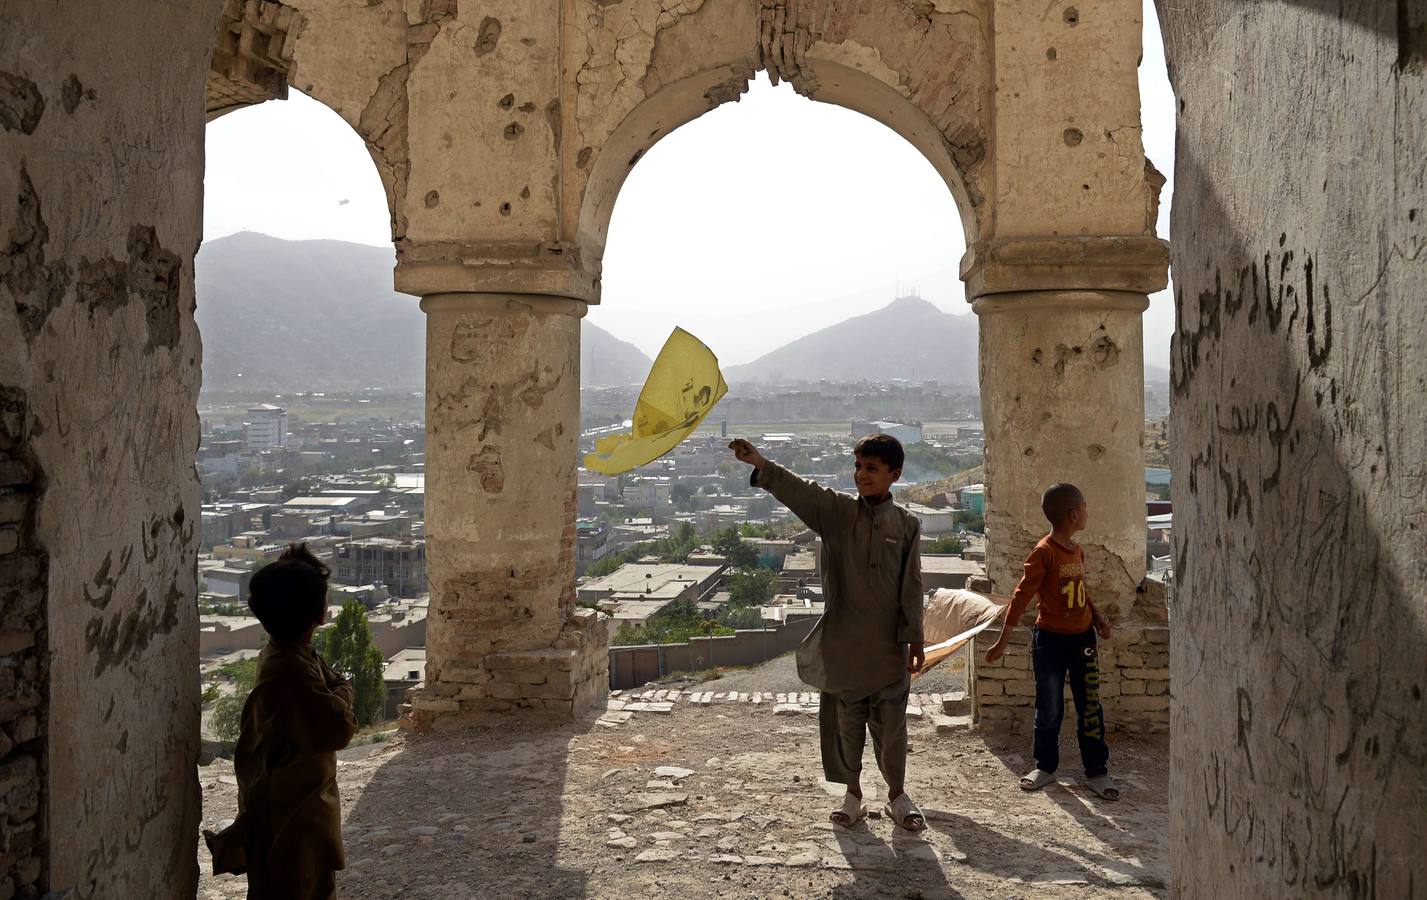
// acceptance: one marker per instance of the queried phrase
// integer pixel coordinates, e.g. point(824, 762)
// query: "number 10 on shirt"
point(1074, 593)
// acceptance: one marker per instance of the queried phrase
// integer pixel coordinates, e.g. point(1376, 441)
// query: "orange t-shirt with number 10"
point(1056, 575)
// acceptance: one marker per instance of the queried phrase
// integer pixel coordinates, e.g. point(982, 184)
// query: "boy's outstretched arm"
point(817, 506)
point(1034, 574)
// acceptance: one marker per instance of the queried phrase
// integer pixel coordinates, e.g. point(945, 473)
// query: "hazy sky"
point(797, 214)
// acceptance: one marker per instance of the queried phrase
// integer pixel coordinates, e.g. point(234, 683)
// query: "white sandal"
point(852, 810)
point(905, 813)
point(1103, 787)
point(1036, 779)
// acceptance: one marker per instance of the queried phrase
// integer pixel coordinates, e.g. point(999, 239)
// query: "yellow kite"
point(682, 387)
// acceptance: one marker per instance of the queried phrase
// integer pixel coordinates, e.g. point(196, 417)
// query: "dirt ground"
point(583, 811)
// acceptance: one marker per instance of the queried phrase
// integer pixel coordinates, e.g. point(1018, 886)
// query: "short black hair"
point(884, 447)
point(289, 594)
point(1059, 501)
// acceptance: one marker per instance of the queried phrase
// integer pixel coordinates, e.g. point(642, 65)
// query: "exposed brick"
point(1144, 704)
point(12, 642)
point(1147, 674)
point(14, 508)
point(14, 472)
point(15, 772)
point(25, 729)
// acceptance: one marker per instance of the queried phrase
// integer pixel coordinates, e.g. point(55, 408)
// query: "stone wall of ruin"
point(1299, 451)
point(101, 170)
point(1055, 194)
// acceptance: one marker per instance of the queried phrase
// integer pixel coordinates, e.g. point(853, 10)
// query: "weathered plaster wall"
point(354, 58)
point(1062, 396)
point(558, 109)
point(502, 422)
point(1300, 452)
point(921, 69)
point(1069, 159)
point(101, 169)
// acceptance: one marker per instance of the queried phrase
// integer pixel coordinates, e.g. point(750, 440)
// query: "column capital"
point(549, 268)
point(1133, 264)
point(507, 303)
point(1063, 300)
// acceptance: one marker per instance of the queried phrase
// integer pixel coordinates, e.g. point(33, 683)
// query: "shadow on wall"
point(1298, 718)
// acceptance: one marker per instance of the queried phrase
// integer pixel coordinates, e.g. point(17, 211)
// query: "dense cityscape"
point(678, 549)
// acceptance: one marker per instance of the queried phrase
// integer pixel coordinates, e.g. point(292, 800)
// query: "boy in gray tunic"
point(861, 653)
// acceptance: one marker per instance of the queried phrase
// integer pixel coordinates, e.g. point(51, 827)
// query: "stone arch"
point(353, 61)
point(925, 76)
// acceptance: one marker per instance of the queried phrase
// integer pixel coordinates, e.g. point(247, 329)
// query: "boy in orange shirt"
point(1062, 643)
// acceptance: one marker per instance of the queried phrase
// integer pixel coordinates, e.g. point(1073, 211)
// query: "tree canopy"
point(347, 646)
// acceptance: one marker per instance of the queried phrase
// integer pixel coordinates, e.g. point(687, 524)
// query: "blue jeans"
point(1054, 657)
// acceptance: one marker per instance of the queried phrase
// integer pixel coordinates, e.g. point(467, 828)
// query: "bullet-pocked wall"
point(101, 169)
point(1299, 382)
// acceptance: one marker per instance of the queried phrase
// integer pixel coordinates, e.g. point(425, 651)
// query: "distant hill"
point(322, 316)
point(908, 338)
point(607, 361)
point(918, 341)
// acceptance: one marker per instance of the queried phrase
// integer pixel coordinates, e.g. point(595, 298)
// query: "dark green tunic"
point(872, 586)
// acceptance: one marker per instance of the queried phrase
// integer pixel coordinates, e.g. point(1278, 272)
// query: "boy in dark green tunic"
point(869, 640)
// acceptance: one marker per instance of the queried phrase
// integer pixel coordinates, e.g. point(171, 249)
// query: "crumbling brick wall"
point(1134, 673)
point(23, 676)
point(101, 169)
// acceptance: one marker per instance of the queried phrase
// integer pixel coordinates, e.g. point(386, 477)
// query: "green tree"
point(347, 647)
point(730, 545)
point(675, 624)
point(228, 711)
point(681, 495)
point(949, 544)
point(970, 521)
point(741, 617)
point(297, 487)
point(750, 587)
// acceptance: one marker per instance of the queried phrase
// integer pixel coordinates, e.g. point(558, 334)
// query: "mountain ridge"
point(932, 345)
point(321, 315)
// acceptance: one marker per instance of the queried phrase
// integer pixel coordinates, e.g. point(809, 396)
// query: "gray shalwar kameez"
point(855, 655)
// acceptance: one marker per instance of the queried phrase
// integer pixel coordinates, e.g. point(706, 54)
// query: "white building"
point(904, 433)
point(266, 428)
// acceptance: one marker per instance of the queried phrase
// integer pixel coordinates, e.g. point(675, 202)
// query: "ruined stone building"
point(503, 130)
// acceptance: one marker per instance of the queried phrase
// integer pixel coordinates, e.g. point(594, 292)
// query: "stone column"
point(1062, 399)
point(502, 423)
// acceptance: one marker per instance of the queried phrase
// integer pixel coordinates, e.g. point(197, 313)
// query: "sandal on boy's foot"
point(1103, 787)
point(905, 813)
point(1036, 779)
point(850, 813)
